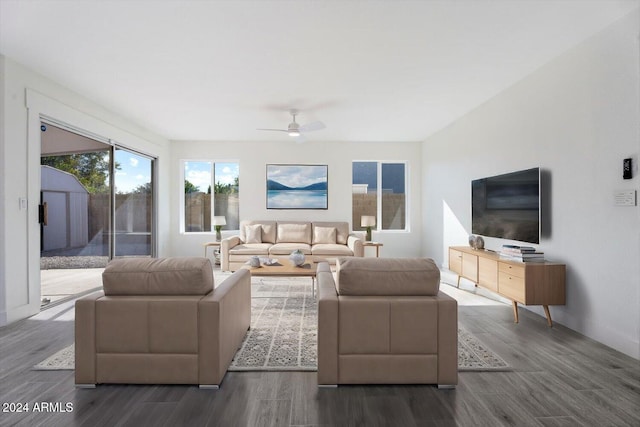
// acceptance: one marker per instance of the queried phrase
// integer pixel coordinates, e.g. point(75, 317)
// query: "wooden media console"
point(528, 283)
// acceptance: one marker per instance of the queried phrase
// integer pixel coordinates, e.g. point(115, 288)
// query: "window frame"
point(212, 183)
point(407, 219)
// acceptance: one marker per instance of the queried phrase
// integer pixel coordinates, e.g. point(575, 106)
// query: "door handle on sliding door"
point(43, 213)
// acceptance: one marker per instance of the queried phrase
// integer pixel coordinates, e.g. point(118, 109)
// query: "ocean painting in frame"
point(297, 187)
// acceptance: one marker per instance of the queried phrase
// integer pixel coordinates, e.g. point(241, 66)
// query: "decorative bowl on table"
point(297, 258)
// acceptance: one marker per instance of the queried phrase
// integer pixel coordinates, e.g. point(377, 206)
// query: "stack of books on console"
point(521, 253)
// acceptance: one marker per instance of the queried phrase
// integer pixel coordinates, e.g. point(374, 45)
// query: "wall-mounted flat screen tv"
point(507, 206)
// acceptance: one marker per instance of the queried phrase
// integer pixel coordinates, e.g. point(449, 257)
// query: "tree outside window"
point(201, 204)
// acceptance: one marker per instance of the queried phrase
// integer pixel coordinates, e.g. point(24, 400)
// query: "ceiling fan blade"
point(309, 127)
point(275, 130)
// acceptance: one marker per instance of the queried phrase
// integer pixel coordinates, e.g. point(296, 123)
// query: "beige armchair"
point(160, 321)
point(384, 321)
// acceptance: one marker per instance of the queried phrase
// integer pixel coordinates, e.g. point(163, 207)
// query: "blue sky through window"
point(199, 173)
point(134, 171)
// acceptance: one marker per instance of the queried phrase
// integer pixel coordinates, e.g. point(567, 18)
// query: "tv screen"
point(507, 206)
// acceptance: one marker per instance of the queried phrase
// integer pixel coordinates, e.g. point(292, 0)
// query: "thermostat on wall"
point(624, 197)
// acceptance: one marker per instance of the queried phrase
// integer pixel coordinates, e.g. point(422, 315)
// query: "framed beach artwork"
point(297, 187)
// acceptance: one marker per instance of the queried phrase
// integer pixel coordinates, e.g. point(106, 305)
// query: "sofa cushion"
point(251, 249)
point(324, 235)
point(331, 249)
point(294, 233)
point(268, 230)
point(253, 233)
point(387, 276)
point(342, 229)
point(158, 276)
point(287, 248)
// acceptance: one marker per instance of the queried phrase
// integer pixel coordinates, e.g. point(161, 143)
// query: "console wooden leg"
point(548, 314)
point(458, 285)
point(515, 312)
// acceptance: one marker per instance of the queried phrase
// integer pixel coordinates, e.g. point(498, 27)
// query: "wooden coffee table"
point(286, 270)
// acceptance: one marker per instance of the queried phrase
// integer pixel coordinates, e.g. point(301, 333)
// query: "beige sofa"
point(384, 321)
point(160, 321)
point(324, 241)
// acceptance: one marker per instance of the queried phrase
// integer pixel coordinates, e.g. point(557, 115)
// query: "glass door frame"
point(114, 145)
point(154, 197)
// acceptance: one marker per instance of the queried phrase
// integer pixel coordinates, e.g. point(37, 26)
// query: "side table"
point(216, 250)
point(377, 245)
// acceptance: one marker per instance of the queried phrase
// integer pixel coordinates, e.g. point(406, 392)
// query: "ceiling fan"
point(296, 131)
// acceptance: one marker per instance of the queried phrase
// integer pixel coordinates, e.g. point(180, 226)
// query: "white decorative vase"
point(297, 258)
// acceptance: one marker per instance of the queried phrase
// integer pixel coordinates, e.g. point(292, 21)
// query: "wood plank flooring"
point(560, 378)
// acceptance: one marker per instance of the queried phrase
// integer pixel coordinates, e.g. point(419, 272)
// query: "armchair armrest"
point(223, 317)
point(355, 244)
point(85, 339)
point(225, 246)
point(327, 328)
point(447, 340)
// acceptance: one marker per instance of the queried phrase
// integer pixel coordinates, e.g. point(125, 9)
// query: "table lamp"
point(368, 221)
point(218, 222)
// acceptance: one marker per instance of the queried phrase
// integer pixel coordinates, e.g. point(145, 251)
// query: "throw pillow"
point(324, 235)
point(253, 233)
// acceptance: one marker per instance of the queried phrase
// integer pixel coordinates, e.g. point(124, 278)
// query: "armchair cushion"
point(387, 277)
point(158, 276)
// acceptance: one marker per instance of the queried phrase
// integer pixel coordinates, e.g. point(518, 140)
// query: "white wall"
point(578, 118)
point(26, 96)
point(253, 158)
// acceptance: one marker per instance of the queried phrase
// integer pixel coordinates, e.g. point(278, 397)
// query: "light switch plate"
point(22, 202)
point(624, 197)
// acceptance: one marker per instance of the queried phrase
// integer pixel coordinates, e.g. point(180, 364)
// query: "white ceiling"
point(370, 70)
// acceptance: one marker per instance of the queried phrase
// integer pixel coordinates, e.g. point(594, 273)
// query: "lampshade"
point(367, 221)
point(219, 220)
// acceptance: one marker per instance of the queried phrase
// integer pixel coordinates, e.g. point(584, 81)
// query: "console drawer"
point(511, 286)
point(512, 269)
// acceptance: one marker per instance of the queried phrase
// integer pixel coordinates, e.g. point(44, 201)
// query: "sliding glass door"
point(133, 200)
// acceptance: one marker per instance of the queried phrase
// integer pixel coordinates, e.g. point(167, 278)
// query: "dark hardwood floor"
point(560, 378)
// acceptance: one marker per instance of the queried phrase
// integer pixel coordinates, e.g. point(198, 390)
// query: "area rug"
point(283, 337)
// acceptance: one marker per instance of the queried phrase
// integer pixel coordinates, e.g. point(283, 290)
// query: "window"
point(210, 189)
point(379, 190)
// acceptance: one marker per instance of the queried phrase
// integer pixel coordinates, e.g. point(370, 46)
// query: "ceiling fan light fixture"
point(294, 133)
